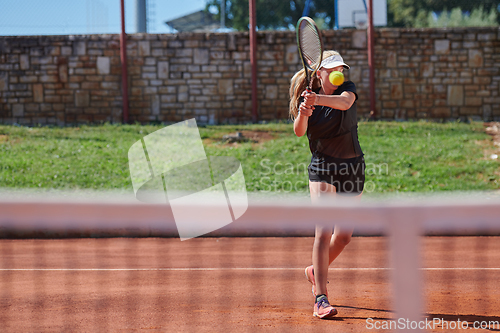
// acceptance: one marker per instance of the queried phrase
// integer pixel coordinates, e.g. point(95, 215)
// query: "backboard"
point(352, 13)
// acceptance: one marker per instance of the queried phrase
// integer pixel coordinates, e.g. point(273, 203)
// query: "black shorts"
point(348, 178)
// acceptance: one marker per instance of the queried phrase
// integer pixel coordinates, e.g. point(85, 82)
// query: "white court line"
point(461, 269)
point(187, 269)
point(237, 269)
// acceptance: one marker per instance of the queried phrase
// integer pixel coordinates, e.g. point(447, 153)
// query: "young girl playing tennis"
point(328, 116)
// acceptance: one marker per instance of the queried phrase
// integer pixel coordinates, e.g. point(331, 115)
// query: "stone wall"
point(438, 73)
point(420, 74)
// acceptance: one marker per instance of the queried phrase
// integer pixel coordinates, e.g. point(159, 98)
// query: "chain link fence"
point(77, 17)
point(273, 14)
point(60, 17)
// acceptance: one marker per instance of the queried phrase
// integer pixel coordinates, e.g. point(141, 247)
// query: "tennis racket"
point(310, 47)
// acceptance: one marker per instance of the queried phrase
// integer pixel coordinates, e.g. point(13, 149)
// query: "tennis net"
point(73, 264)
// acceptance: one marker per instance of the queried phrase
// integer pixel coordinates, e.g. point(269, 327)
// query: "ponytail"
point(297, 86)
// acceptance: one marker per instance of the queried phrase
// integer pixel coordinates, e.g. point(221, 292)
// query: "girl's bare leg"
point(322, 240)
point(327, 246)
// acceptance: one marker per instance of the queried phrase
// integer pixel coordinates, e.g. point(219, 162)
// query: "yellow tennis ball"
point(336, 78)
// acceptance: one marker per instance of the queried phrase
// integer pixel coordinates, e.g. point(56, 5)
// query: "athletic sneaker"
point(323, 309)
point(310, 277)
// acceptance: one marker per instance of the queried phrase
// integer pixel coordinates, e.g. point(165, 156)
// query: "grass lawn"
point(400, 156)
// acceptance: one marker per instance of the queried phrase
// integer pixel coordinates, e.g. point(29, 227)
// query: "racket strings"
point(310, 44)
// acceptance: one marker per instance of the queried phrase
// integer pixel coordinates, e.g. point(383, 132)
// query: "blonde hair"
point(298, 85)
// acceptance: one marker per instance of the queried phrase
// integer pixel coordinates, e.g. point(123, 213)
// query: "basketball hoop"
point(360, 19)
point(361, 24)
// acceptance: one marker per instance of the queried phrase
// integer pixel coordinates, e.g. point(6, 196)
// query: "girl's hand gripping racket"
point(310, 48)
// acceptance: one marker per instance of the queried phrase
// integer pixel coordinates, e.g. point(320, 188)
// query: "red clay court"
point(230, 284)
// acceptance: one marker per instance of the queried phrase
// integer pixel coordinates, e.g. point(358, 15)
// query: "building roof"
point(200, 21)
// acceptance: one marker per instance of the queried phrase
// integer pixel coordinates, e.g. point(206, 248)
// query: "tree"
point(273, 14)
point(284, 14)
point(458, 18)
point(411, 13)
